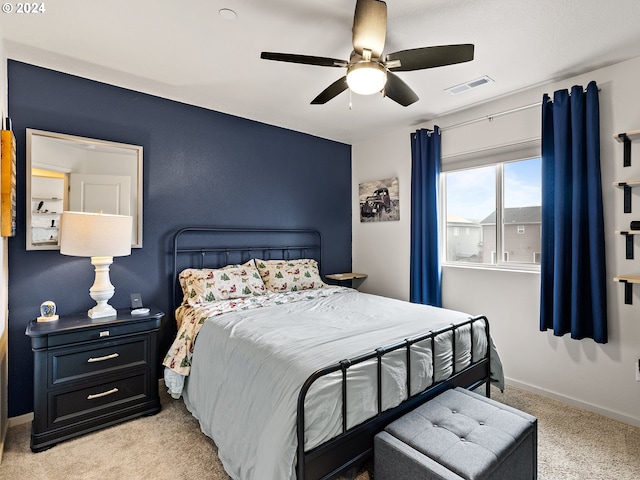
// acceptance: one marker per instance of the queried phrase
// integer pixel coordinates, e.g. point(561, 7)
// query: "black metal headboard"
point(214, 247)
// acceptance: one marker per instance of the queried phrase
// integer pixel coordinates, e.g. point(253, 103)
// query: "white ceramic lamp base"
point(102, 289)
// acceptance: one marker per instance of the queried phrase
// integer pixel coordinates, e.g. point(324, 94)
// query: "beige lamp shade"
point(95, 234)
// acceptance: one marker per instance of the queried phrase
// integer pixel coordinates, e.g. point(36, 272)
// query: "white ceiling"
point(184, 50)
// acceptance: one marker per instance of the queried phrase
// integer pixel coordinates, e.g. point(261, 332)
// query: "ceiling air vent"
point(463, 87)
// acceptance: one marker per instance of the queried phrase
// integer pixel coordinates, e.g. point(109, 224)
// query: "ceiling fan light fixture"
point(366, 78)
point(368, 70)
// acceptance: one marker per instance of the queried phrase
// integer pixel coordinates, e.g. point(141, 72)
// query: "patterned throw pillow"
point(208, 285)
point(290, 275)
point(237, 281)
point(197, 285)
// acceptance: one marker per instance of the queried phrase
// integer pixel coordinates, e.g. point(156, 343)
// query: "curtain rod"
point(494, 115)
point(491, 116)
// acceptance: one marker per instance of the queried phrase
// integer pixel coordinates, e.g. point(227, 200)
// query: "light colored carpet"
point(572, 445)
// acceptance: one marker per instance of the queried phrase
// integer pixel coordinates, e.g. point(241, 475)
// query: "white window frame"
point(497, 157)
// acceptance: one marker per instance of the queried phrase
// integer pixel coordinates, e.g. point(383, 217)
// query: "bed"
point(292, 377)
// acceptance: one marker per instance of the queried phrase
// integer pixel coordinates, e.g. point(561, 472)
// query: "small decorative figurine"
point(48, 312)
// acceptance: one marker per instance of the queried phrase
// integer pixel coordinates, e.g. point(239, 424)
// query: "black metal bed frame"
point(305, 243)
point(355, 445)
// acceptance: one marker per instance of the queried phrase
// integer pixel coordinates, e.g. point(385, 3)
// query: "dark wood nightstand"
point(92, 373)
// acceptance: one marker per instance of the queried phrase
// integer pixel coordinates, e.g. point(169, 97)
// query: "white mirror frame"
point(83, 145)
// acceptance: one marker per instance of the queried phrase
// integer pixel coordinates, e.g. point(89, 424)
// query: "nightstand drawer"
point(75, 364)
point(104, 332)
point(90, 402)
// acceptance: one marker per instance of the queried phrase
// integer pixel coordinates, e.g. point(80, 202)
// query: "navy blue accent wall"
point(200, 168)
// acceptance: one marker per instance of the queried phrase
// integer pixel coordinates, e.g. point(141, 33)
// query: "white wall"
point(598, 377)
point(376, 244)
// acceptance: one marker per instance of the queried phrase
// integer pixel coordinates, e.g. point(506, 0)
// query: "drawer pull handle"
point(103, 394)
point(102, 359)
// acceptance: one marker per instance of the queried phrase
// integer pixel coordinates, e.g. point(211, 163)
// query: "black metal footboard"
point(354, 445)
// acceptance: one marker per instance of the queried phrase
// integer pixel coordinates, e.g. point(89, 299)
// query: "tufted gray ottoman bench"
point(458, 435)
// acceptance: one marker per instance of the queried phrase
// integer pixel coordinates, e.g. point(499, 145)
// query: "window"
point(499, 206)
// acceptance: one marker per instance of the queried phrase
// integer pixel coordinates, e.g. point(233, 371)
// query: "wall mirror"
point(66, 172)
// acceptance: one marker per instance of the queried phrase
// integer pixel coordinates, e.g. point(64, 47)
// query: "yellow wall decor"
point(8, 185)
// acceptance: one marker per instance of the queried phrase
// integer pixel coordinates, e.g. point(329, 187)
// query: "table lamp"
point(101, 237)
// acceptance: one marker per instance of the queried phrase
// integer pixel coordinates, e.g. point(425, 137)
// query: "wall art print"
point(379, 200)
point(8, 184)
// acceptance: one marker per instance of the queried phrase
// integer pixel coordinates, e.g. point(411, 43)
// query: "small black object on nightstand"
point(136, 300)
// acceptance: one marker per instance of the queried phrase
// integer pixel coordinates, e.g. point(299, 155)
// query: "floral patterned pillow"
point(290, 275)
point(233, 281)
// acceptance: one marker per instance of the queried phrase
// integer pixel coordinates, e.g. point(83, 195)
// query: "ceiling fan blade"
point(333, 90)
point(398, 91)
point(304, 59)
point(370, 27)
point(429, 57)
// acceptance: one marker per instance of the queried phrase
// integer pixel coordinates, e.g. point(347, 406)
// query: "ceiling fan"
point(367, 72)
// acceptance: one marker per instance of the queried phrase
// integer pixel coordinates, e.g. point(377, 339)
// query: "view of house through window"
point(493, 213)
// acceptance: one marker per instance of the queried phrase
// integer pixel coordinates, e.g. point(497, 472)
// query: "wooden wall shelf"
point(626, 138)
point(628, 234)
point(628, 281)
point(627, 186)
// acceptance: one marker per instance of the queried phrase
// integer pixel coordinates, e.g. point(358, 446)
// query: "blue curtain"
point(425, 271)
point(573, 294)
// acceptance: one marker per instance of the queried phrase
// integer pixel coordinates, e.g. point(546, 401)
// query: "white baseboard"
point(20, 419)
point(574, 402)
